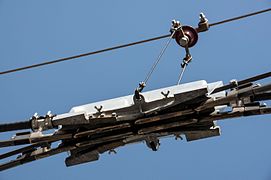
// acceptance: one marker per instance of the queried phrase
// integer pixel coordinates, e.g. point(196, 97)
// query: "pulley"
point(187, 36)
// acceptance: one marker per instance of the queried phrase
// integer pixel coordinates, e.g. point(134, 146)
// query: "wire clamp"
point(186, 60)
point(139, 89)
point(203, 24)
point(41, 123)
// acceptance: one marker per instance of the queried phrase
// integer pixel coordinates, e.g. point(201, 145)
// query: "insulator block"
point(190, 32)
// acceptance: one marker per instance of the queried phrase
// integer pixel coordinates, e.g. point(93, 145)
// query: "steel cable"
point(239, 17)
point(121, 46)
point(158, 58)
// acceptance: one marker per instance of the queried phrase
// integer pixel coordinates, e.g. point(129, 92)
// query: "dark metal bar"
point(252, 79)
point(102, 130)
point(26, 159)
point(18, 151)
point(15, 126)
point(32, 140)
point(103, 139)
point(166, 126)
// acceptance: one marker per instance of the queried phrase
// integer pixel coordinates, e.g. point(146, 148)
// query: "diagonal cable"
point(121, 46)
point(158, 58)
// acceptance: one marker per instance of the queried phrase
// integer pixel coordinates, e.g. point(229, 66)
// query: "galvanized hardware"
point(41, 123)
point(203, 24)
point(40, 150)
point(234, 83)
point(141, 86)
point(175, 25)
point(187, 59)
point(139, 90)
point(188, 112)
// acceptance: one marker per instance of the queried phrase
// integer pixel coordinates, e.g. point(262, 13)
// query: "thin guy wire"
point(122, 46)
point(158, 58)
point(181, 74)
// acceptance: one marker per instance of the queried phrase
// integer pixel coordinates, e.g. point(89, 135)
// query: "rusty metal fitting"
point(203, 24)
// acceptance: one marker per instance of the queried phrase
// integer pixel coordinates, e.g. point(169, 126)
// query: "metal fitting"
point(203, 23)
point(165, 94)
point(139, 89)
point(184, 41)
point(175, 24)
point(234, 83)
point(186, 36)
point(99, 109)
point(187, 59)
point(40, 123)
point(141, 86)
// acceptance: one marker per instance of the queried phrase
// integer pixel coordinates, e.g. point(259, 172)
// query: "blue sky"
point(36, 31)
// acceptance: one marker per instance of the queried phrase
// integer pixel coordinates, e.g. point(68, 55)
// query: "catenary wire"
point(83, 55)
point(239, 17)
point(122, 46)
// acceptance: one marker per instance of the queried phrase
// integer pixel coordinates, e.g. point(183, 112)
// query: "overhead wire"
point(83, 55)
point(239, 17)
point(121, 46)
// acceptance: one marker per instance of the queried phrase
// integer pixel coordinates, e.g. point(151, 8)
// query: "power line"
point(82, 55)
point(240, 17)
point(122, 46)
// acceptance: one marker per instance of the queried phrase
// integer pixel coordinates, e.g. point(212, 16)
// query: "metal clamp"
point(139, 90)
point(41, 123)
point(203, 24)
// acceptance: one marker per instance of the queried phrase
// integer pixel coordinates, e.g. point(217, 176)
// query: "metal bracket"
point(41, 123)
point(139, 90)
point(203, 24)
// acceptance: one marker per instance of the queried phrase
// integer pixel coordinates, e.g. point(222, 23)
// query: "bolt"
point(202, 17)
